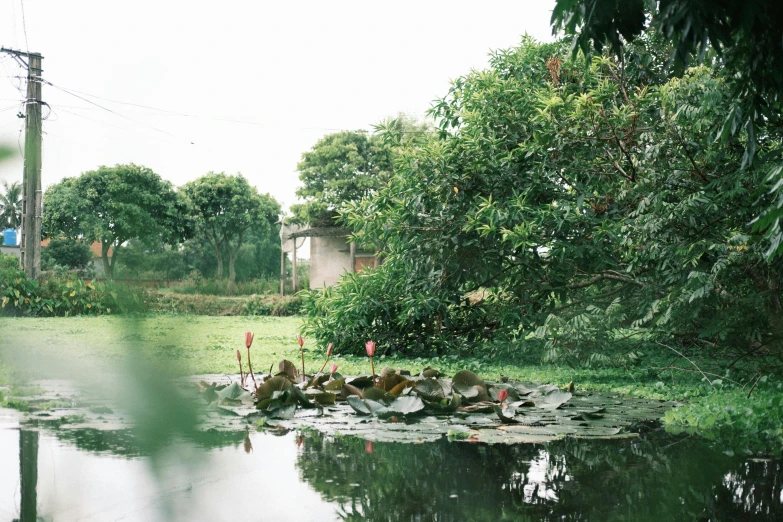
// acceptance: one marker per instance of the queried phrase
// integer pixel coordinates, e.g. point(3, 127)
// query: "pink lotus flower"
point(369, 446)
point(370, 347)
point(502, 395)
point(249, 339)
point(300, 340)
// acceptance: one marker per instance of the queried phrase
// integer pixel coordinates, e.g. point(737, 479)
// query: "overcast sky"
point(293, 71)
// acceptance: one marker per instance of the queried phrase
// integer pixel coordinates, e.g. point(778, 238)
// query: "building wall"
point(10, 250)
point(330, 257)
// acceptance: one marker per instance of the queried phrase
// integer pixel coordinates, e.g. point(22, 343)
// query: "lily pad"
point(429, 389)
point(272, 385)
point(553, 399)
point(466, 378)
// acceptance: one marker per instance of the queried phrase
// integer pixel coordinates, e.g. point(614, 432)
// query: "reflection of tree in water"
point(647, 479)
point(125, 443)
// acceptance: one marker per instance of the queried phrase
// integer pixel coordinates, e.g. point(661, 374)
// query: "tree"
point(570, 203)
point(224, 209)
point(341, 167)
point(113, 205)
point(11, 205)
point(745, 39)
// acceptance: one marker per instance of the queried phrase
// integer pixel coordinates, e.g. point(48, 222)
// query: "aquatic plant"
point(329, 349)
point(370, 347)
point(248, 343)
point(300, 340)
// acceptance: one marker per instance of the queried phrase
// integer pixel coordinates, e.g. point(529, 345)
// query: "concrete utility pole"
point(30, 247)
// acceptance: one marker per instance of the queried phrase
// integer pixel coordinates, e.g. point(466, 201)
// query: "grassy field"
point(189, 344)
point(193, 344)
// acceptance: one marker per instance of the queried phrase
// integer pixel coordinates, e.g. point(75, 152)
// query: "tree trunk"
point(232, 257)
point(219, 257)
point(108, 268)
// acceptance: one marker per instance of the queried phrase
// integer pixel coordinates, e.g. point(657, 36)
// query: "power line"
point(24, 26)
point(186, 115)
point(106, 108)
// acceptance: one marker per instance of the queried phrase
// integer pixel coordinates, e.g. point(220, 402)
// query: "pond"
point(58, 473)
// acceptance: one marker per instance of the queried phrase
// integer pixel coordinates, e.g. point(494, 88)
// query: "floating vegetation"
point(398, 407)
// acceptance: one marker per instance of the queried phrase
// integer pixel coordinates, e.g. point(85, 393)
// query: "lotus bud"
point(248, 339)
point(239, 356)
point(370, 347)
point(329, 350)
point(300, 340)
point(502, 395)
point(334, 369)
point(369, 446)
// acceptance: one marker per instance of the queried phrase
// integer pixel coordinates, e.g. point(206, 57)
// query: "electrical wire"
point(24, 27)
point(74, 92)
point(107, 109)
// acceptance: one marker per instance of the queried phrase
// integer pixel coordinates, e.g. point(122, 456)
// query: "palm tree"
point(11, 205)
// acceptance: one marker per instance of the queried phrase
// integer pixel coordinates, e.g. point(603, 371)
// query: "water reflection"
point(105, 475)
point(653, 478)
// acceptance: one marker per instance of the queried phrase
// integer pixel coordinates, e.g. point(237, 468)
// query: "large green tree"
point(112, 205)
point(744, 39)
point(580, 202)
point(224, 209)
point(341, 167)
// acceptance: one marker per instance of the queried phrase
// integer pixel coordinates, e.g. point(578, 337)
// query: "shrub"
point(56, 295)
point(274, 305)
point(66, 253)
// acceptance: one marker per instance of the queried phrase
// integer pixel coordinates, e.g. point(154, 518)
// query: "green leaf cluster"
point(568, 205)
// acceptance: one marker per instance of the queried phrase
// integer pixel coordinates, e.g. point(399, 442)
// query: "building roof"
point(95, 247)
point(321, 232)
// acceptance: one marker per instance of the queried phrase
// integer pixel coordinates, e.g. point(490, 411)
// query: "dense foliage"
point(742, 38)
point(54, 295)
point(224, 210)
point(570, 204)
point(341, 167)
point(66, 253)
point(112, 205)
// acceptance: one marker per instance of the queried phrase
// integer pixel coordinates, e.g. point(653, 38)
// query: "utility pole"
point(30, 247)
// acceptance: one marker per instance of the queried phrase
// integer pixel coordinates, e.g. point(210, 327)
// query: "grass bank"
point(191, 344)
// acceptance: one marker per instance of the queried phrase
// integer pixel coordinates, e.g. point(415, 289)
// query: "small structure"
point(331, 254)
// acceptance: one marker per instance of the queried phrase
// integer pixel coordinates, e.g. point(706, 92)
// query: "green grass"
point(188, 344)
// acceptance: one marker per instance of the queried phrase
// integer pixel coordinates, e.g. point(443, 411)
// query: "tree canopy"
point(741, 38)
point(341, 167)
point(112, 205)
point(568, 205)
point(11, 205)
point(224, 209)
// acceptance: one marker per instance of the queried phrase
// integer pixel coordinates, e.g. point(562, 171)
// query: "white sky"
point(297, 70)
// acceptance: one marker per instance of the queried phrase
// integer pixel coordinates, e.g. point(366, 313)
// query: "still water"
point(89, 475)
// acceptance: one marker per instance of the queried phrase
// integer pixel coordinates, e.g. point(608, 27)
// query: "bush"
point(193, 304)
point(274, 305)
point(66, 253)
point(196, 284)
point(56, 295)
